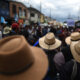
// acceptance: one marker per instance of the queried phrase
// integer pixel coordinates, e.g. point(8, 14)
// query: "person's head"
point(26, 27)
point(15, 27)
point(21, 25)
point(30, 27)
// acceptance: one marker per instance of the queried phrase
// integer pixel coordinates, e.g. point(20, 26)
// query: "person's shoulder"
point(68, 66)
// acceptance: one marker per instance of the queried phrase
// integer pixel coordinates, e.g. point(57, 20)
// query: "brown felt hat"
point(20, 61)
point(75, 36)
point(49, 42)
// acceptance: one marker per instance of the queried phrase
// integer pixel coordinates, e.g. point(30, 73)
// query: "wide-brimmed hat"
point(20, 61)
point(73, 37)
point(6, 30)
point(75, 49)
point(49, 42)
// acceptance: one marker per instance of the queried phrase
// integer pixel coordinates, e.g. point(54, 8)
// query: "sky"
point(59, 9)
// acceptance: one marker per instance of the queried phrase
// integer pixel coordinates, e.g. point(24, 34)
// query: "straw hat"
point(75, 49)
point(73, 37)
point(20, 61)
point(49, 42)
point(6, 30)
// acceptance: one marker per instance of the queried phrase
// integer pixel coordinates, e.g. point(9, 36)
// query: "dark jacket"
point(25, 34)
point(52, 69)
point(66, 71)
point(67, 53)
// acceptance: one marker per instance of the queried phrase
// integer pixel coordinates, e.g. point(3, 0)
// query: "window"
point(24, 13)
point(32, 14)
point(14, 9)
point(20, 11)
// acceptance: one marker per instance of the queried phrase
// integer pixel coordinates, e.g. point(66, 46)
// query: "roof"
point(34, 9)
point(17, 2)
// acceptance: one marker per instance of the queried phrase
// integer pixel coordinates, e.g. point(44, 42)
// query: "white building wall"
point(35, 19)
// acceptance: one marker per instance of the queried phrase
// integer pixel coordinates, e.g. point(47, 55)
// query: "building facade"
point(4, 9)
point(10, 9)
point(48, 19)
point(34, 15)
point(19, 9)
point(42, 19)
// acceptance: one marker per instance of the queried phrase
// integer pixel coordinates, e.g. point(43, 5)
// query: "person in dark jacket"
point(66, 50)
point(44, 31)
point(53, 30)
point(71, 70)
point(49, 44)
point(25, 32)
point(67, 53)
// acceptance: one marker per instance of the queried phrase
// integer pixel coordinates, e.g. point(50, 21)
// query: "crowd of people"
point(56, 56)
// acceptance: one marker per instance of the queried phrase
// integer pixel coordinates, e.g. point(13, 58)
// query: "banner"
point(70, 23)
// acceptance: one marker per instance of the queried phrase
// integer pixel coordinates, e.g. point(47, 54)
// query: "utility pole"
point(40, 10)
point(50, 14)
point(30, 14)
point(29, 10)
point(79, 14)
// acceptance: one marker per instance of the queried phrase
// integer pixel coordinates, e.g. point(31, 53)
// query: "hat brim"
point(68, 40)
point(73, 51)
point(49, 47)
point(6, 32)
point(9, 29)
point(36, 72)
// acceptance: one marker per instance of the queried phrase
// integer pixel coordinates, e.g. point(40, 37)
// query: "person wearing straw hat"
point(20, 61)
point(49, 42)
point(50, 45)
point(71, 70)
point(75, 36)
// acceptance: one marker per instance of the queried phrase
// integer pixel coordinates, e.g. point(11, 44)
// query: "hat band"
point(75, 40)
point(48, 43)
point(17, 72)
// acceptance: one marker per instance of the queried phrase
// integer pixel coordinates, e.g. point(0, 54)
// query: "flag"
point(3, 20)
